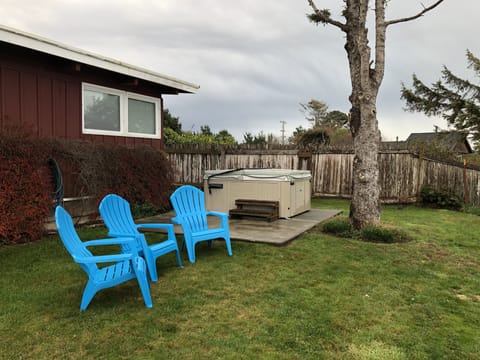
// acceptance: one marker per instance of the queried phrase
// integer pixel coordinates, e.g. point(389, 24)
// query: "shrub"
point(25, 188)
point(339, 227)
point(140, 174)
point(439, 199)
point(472, 209)
point(379, 234)
point(144, 210)
point(371, 233)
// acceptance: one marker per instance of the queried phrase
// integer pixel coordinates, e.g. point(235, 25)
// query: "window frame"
point(124, 96)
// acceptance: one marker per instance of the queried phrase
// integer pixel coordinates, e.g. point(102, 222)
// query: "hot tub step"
point(256, 208)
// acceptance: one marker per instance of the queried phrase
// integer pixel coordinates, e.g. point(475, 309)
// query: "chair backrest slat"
point(189, 204)
point(70, 239)
point(115, 212)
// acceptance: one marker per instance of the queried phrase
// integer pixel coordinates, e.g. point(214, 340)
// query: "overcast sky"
point(256, 60)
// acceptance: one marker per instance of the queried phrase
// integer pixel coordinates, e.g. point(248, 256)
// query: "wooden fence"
point(402, 174)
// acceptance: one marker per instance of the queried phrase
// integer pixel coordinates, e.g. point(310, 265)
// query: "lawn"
point(320, 297)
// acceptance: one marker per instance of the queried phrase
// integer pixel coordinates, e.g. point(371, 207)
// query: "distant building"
point(452, 141)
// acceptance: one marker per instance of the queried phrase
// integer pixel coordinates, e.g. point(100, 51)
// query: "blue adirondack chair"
point(125, 266)
point(115, 212)
point(189, 205)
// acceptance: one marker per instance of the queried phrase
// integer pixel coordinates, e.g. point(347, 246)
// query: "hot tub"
point(291, 188)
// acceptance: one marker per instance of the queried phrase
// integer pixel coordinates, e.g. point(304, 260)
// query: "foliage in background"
point(457, 100)
point(171, 122)
point(173, 134)
point(189, 137)
point(328, 127)
point(316, 112)
point(441, 199)
point(312, 138)
point(251, 139)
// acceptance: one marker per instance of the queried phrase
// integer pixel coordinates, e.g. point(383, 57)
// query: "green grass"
point(320, 297)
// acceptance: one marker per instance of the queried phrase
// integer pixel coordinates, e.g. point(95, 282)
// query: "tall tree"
point(172, 122)
point(336, 119)
point(315, 111)
point(366, 75)
point(224, 137)
point(205, 130)
point(297, 133)
point(259, 139)
point(456, 100)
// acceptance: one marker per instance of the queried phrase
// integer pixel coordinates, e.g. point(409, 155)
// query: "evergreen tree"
point(171, 122)
point(455, 99)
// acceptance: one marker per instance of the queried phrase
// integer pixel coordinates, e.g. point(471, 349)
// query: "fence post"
point(465, 186)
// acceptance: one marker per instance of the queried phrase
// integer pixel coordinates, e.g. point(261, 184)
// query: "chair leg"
point(229, 245)
point(88, 294)
point(151, 265)
point(179, 260)
point(191, 252)
point(141, 272)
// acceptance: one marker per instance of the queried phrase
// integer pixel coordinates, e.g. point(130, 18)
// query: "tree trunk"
point(365, 206)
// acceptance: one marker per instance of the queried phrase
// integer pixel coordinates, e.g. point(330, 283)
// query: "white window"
point(114, 112)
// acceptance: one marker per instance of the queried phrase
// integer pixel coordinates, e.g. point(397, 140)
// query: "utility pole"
point(283, 122)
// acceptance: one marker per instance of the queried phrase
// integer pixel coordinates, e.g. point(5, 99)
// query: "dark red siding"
point(42, 94)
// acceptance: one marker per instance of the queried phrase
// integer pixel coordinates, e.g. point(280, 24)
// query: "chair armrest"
point(223, 217)
point(217, 213)
point(110, 241)
point(102, 258)
point(177, 220)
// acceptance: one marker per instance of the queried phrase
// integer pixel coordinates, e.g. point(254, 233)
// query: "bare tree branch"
point(324, 18)
point(421, 13)
point(380, 29)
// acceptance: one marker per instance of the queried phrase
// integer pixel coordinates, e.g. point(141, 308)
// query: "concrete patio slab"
point(278, 232)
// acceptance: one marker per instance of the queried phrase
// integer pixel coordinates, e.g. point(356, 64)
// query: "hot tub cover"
point(258, 174)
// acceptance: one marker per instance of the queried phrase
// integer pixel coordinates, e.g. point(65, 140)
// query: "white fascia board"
point(34, 42)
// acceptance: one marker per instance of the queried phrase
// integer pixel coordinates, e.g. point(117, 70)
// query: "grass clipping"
point(371, 233)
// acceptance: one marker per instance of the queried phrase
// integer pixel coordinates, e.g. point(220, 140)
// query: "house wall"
point(42, 94)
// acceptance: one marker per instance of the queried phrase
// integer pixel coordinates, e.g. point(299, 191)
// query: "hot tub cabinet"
point(291, 188)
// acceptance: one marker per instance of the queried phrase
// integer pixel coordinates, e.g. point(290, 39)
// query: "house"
point(452, 141)
point(54, 90)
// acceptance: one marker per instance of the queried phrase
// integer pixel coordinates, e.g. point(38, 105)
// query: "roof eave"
point(34, 42)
